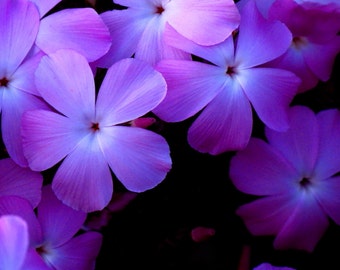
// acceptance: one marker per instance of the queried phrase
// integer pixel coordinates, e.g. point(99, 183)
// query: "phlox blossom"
point(228, 83)
point(55, 238)
point(139, 29)
point(91, 134)
point(295, 172)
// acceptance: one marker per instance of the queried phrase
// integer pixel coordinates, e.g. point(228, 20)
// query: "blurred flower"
point(227, 88)
point(200, 234)
point(139, 29)
point(21, 182)
point(90, 134)
point(13, 242)
point(296, 175)
point(52, 240)
point(268, 266)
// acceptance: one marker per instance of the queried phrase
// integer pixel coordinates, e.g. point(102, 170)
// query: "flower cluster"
point(81, 90)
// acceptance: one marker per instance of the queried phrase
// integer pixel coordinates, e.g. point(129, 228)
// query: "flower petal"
point(130, 89)
point(267, 215)
point(220, 19)
point(15, 103)
point(65, 80)
point(83, 180)
point(304, 227)
point(45, 6)
point(19, 23)
point(260, 40)
point(270, 91)
point(79, 253)
point(79, 29)
point(138, 157)
point(191, 86)
point(225, 123)
point(299, 144)
point(13, 205)
point(13, 242)
point(34, 261)
point(21, 182)
point(267, 173)
point(45, 132)
point(59, 222)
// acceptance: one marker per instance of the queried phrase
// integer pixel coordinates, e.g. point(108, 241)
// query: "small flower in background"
point(14, 241)
point(228, 88)
point(56, 241)
point(21, 182)
point(140, 28)
point(268, 266)
point(201, 233)
point(89, 132)
point(296, 175)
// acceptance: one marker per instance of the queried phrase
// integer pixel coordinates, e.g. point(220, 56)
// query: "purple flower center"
point(299, 42)
point(231, 71)
point(95, 127)
point(305, 183)
point(159, 10)
point(4, 82)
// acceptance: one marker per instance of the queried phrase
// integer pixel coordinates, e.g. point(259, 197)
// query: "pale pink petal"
point(191, 86)
point(220, 54)
point(130, 89)
point(19, 23)
point(15, 103)
point(221, 18)
point(138, 157)
point(141, 4)
point(79, 253)
point(225, 123)
point(304, 226)
point(260, 40)
point(18, 181)
point(328, 162)
point(45, 6)
point(13, 205)
point(326, 192)
point(79, 29)
point(126, 27)
point(83, 180)
point(270, 91)
point(299, 144)
point(13, 242)
point(45, 132)
point(267, 173)
point(65, 80)
point(266, 216)
point(59, 223)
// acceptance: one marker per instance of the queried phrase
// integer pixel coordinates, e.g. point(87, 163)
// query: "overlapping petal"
point(138, 157)
point(131, 88)
point(225, 124)
point(45, 6)
point(79, 29)
point(83, 180)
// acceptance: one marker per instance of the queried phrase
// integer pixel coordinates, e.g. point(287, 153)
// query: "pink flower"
point(14, 242)
point(89, 133)
point(52, 240)
point(295, 173)
point(139, 30)
point(228, 88)
point(21, 182)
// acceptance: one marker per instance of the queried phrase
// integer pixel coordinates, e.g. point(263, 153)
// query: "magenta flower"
point(21, 182)
point(14, 242)
point(227, 88)
point(295, 172)
point(315, 30)
point(139, 30)
point(52, 240)
point(91, 134)
point(268, 266)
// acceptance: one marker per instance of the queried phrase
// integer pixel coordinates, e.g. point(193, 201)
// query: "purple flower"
point(227, 88)
point(21, 182)
point(139, 29)
point(268, 266)
point(14, 242)
point(295, 173)
point(90, 134)
point(52, 240)
point(315, 30)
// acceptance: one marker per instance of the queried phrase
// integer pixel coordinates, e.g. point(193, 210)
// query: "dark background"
point(153, 230)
